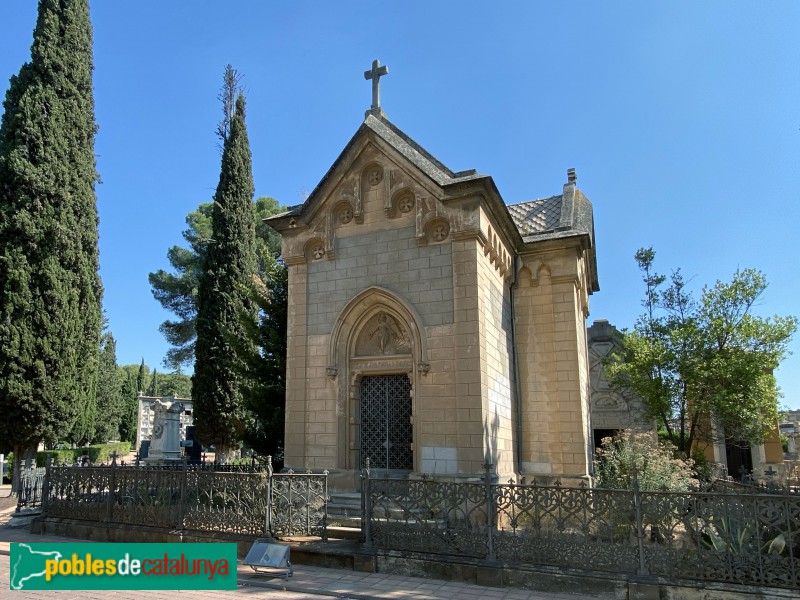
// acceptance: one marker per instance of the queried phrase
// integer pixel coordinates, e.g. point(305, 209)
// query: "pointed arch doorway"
point(386, 430)
point(379, 342)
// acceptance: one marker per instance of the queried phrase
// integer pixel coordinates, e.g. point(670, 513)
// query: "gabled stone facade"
point(431, 327)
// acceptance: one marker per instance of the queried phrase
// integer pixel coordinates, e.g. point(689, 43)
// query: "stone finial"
point(375, 73)
point(572, 178)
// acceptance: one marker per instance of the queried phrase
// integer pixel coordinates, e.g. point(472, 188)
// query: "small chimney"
point(572, 179)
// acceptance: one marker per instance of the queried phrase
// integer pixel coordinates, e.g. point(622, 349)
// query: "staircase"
point(344, 515)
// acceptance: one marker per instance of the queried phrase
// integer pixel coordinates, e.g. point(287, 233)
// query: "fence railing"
point(732, 538)
point(31, 482)
point(262, 503)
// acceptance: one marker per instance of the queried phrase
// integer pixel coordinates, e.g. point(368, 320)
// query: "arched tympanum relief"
point(383, 335)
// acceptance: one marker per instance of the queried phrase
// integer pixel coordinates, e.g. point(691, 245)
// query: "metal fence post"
point(325, 500)
point(46, 485)
point(268, 510)
point(366, 505)
point(111, 487)
point(637, 503)
point(308, 503)
point(268, 515)
point(487, 487)
point(182, 502)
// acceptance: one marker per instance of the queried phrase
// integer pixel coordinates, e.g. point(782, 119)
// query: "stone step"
point(337, 521)
point(344, 505)
point(344, 533)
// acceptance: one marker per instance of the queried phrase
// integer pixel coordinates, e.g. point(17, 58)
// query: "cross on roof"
point(375, 74)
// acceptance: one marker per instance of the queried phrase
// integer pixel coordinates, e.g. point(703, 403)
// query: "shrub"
point(98, 453)
point(653, 462)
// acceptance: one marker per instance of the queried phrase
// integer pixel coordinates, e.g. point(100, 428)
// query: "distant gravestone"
point(165, 443)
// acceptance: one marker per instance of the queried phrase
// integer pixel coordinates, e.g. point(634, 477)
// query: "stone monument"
point(432, 327)
point(165, 444)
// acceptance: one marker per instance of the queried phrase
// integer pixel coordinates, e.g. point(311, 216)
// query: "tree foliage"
point(262, 360)
point(154, 389)
point(130, 397)
point(50, 290)
point(704, 368)
point(175, 384)
point(228, 265)
point(176, 291)
point(110, 400)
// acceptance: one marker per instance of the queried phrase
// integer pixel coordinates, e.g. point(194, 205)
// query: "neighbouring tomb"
point(164, 420)
point(612, 409)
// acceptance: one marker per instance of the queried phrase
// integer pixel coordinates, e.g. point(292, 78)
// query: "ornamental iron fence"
point(751, 539)
point(257, 504)
point(30, 488)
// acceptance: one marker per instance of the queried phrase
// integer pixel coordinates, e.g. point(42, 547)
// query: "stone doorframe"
point(346, 367)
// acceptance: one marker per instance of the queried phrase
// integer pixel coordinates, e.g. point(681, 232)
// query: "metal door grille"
point(386, 421)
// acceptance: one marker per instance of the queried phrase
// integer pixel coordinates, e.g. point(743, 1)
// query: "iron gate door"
point(386, 421)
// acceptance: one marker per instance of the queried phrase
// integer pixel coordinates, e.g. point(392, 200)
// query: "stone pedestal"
point(165, 445)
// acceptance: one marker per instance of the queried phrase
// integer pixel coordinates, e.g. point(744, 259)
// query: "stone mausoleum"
point(432, 326)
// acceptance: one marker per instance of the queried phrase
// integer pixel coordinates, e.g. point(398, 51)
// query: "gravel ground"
point(7, 501)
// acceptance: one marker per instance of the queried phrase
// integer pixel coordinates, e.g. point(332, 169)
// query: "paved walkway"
point(310, 583)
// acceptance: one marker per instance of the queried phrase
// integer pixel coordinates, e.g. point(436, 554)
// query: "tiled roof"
point(537, 216)
point(420, 157)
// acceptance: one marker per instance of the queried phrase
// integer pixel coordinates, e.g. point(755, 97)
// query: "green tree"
point(110, 399)
point(262, 360)
point(228, 265)
point(176, 291)
point(706, 362)
point(130, 395)
point(175, 384)
point(50, 290)
point(155, 387)
point(141, 377)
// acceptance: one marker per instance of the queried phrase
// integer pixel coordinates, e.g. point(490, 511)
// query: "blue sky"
point(682, 120)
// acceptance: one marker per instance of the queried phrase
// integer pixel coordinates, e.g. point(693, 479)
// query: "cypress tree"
point(50, 290)
point(141, 377)
point(154, 385)
point(229, 263)
point(130, 411)
point(110, 399)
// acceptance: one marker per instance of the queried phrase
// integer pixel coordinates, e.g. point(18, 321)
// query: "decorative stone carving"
point(318, 252)
point(350, 191)
point(375, 176)
point(345, 214)
point(423, 368)
point(331, 372)
point(405, 203)
point(439, 231)
point(610, 403)
point(383, 335)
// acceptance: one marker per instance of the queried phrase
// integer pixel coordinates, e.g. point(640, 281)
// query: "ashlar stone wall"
point(551, 307)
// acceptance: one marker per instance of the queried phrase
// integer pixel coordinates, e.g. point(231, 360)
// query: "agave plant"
point(734, 536)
